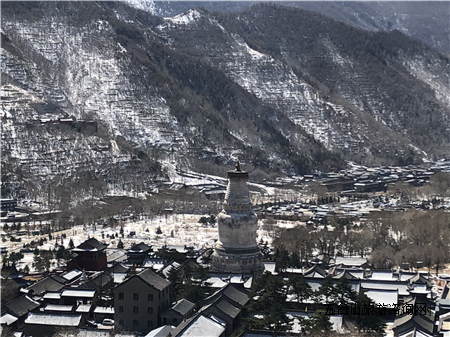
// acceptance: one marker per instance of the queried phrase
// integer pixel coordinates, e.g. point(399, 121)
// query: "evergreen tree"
point(326, 289)
point(365, 321)
point(175, 286)
point(197, 287)
point(300, 288)
point(320, 323)
point(295, 260)
point(271, 299)
point(344, 293)
point(281, 258)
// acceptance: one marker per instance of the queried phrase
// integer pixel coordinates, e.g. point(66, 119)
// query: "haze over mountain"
point(100, 96)
point(427, 21)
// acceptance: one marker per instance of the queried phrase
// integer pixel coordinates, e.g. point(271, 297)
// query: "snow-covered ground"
point(185, 228)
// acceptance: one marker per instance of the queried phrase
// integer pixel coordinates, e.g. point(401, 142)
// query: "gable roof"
point(315, 271)
point(153, 279)
point(236, 295)
point(227, 308)
point(139, 248)
point(406, 323)
point(48, 284)
point(118, 268)
point(162, 331)
point(91, 244)
point(116, 256)
point(183, 306)
point(346, 274)
point(21, 306)
point(150, 277)
point(199, 326)
point(99, 279)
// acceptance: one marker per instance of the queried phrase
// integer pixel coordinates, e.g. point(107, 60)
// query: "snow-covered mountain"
point(103, 96)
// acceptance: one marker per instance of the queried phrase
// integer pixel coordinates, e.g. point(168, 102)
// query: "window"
point(120, 309)
point(150, 310)
point(121, 296)
point(150, 297)
point(135, 310)
point(121, 322)
point(135, 322)
point(149, 324)
point(135, 297)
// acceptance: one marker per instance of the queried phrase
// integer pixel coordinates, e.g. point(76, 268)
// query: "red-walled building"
point(90, 255)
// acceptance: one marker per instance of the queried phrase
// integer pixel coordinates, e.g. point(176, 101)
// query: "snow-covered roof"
point(387, 298)
point(350, 260)
point(72, 274)
point(58, 307)
point(52, 296)
point(202, 326)
point(53, 319)
point(78, 293)
point(84, 308)
point(104, 310)
point(119, 277)
point(381, 285)
point(8, 319)
point(382, 275)
point(162, 331)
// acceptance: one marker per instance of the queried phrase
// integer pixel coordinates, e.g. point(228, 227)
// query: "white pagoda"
point(237, 251)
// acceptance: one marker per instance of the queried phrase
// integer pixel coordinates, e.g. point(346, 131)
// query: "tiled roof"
point(118, 268)
point(21, 305)
point(227, 308)
point(183, 306)
point(91, 244)
point(117, 256)
point(140, 247)
point(48, 284)
point(153, 279)
point(236, 295)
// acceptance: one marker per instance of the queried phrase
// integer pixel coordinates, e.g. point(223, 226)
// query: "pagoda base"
point(237, 261)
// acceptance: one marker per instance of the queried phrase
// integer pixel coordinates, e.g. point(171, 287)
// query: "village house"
point(179, 312)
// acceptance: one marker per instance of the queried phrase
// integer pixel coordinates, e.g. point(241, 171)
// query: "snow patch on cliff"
point(185, 18)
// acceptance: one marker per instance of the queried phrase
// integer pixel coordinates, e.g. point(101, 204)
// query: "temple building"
point(237, 251)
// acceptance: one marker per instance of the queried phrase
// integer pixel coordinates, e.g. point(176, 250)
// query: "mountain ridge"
point(202, 90)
